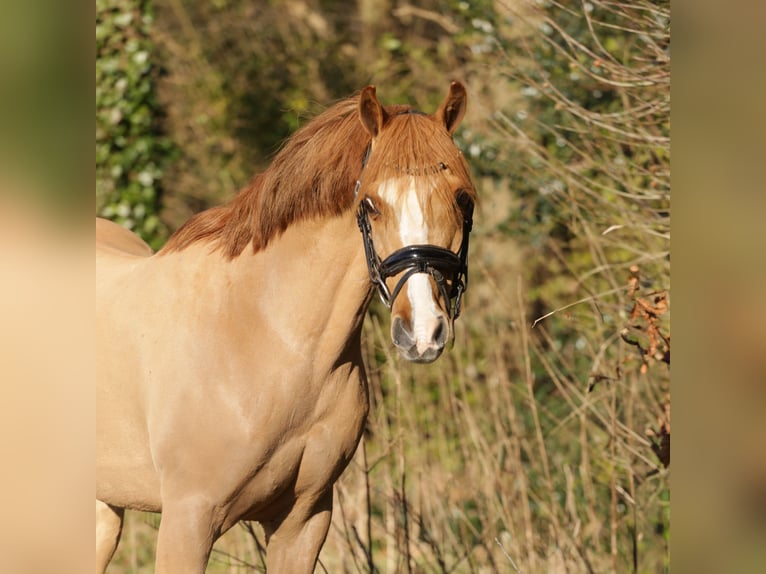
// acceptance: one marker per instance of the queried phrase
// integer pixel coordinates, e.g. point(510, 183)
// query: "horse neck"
point(309, 289)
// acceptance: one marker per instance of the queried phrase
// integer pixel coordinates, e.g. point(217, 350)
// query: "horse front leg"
point(294, 544)
point(188, 530)
point(108, 529)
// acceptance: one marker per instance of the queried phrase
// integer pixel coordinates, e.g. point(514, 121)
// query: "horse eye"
point(464, 201)
point(369, 204)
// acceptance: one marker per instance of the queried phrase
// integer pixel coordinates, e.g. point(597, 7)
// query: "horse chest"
point(307, 457)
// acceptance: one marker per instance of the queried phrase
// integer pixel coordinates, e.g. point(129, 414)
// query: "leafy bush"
point(130, 149)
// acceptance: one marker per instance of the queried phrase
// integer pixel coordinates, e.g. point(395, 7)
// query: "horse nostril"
point(441, 333)
point(400, 334)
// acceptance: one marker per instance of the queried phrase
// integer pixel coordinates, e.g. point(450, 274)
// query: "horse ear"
point(452, 110)
point(371, 113)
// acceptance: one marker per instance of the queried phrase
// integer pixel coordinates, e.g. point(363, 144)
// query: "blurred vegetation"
point(540, 442)
point(130, 147)
point(42, 109)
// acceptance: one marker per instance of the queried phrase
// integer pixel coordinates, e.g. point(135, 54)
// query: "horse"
point(230, 380)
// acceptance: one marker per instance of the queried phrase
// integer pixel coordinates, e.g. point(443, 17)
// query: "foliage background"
point(130, 147)
point(541, 441)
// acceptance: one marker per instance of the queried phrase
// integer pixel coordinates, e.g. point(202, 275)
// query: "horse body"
point(232, 386)
point(214, 374)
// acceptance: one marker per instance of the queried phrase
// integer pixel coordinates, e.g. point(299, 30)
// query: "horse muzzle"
point(424, 346)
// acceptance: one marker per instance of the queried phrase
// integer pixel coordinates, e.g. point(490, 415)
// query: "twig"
point(507, 556)
point(583, 300)
point(408, 10)
point(368, 500)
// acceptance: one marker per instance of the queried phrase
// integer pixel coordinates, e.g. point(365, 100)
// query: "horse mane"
point(312, 176)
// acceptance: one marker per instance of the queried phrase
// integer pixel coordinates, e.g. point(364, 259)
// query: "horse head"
point(414, 207)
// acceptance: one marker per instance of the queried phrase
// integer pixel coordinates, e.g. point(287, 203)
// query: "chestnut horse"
point(230, 376)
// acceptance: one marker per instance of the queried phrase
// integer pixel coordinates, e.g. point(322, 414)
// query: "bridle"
point(449, 270)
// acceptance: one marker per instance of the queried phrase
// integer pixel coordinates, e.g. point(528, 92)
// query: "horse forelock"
point(416, 147)
point(314, 175)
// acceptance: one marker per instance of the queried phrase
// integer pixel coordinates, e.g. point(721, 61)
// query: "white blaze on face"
point(401, 195)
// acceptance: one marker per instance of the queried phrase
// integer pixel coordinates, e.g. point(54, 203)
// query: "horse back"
point(116, 239)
